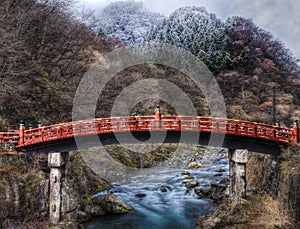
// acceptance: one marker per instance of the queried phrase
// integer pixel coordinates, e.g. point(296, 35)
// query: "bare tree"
point(44, 53)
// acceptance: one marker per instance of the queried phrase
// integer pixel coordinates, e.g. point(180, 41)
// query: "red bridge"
point(61, 138)
point(238, 134)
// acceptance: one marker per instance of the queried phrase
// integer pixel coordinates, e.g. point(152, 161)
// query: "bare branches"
point(43, 55)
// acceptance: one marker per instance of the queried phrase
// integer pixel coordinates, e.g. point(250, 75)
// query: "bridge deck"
point(101, 126)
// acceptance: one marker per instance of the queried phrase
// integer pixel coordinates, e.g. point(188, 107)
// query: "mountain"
point(247, 61)
point(45, 52)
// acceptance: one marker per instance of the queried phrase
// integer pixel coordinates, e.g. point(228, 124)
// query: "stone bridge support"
point(237, 173)
point(55, 162)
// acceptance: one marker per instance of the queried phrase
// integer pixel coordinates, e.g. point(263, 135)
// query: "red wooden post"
point(21, 133)
point(296, 131)
point(157, 116)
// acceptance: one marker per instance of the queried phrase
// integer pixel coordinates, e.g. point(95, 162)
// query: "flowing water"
point(174, 208)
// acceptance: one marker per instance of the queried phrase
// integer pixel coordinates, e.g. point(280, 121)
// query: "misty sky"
point(280, 17)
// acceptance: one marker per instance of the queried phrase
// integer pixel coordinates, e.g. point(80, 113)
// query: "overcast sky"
point(280, 17)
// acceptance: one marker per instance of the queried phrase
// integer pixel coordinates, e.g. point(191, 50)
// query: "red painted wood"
point(148, 123)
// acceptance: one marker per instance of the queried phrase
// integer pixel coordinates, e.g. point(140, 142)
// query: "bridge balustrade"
point(219, 125)
point(284, 135)
point(67, 130)
point(119, 125)
point(171, 124)
point(265, 132)
point(133, 124)
point(9, 137)
point(246, 129)
point(149, 123)
point(189, 124)
point(104, 126)
point(205, 124)
point(33, 136)
point(82, 128)
point(231, 127)
point(145, 123)
point(50, 133)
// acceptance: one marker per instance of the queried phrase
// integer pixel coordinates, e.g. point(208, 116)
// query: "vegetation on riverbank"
point(272, 201)
point(24, 190)
point(273, 196)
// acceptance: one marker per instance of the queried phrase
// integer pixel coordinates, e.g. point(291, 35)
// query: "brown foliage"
point(44, 54)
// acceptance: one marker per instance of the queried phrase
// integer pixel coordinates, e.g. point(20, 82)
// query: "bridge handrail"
point(12, 136)
point(150, 123)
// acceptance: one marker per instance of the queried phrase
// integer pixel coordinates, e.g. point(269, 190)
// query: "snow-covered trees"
point(237, 42)
point(196, 30)
point(128, 21)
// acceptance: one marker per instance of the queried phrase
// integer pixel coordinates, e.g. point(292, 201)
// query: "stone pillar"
point(55, 162)
point(237, 173)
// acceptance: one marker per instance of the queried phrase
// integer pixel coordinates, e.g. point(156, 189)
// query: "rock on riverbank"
point(24, 188)
point(272, 196)
point(24, 191)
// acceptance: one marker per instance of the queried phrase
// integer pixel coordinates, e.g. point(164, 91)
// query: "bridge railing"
point(150, 123)
point(10, 137)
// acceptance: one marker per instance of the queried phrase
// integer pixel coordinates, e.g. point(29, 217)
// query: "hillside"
point(247, 61)
point(45, 52)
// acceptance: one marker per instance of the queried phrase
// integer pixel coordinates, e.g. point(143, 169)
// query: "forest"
point(47, 46)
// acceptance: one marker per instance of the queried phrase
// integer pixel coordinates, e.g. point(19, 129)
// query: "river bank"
point(150, 187)
point(24, 185)
point(273, 196)
point(165, 197)
point(24, 190)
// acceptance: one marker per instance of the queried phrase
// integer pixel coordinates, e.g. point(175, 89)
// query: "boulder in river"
point(93, 210)
point(140, 195)
point(223, 180)
point(191, 184)
point(218, 191)
point(111, 204)
point(202, 192)
point(220, 170)
point(194, 165)
point(189, 177)
point(185, 173)
point(164, 189)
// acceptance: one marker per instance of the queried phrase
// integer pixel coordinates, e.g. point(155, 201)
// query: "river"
point(174, 207)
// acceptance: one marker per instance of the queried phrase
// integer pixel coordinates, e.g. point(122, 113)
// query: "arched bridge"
point(240, 136)
point(253, 136)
